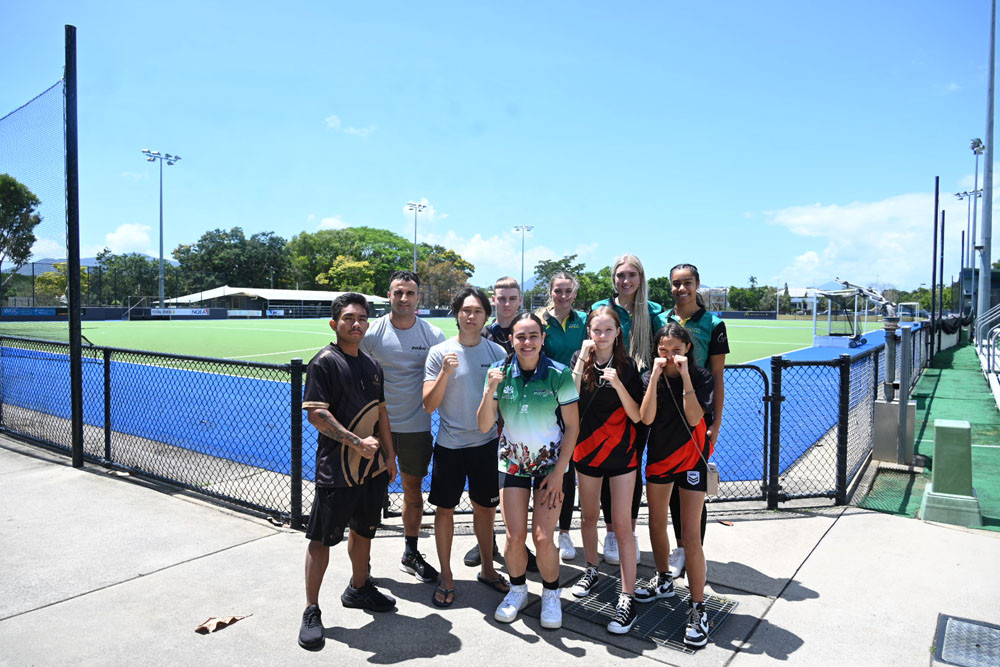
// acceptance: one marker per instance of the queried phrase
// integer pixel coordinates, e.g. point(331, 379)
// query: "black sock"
point(550, 585)
point(411, 545)
point(518, 581)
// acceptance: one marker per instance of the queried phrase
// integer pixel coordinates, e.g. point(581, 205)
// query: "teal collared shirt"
point(703, 325)
point(656, 319)
point(562, 341)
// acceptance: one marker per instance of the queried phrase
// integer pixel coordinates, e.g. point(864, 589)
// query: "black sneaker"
point(585, 584)
point(474, 559)
point(624, 616)
point(532, 563)
point(696, 634)
point(414, 563)
point(660, 586)
point(367, 597)
point(311, 632)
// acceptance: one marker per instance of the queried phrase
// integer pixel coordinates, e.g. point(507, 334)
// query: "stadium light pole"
point(968, 256)
point(977, 149)
point(985, 254)
point(416, 208)
point(154, 156)
point(522, 229)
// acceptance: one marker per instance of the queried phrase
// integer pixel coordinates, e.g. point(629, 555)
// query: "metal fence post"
point(773, 486)
point(296, 510)
point(842, 425)
point(107, 405)
point(875, 388)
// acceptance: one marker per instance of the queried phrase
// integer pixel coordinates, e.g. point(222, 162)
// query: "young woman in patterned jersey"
point(607, 449)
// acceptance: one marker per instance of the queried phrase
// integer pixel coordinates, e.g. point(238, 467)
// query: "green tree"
point(50, 287)
point(785, 303)
point(349, 275)
point(594, 286)
point(659, 292)
point(18, 219)
point(439, 282)
point(222, 257)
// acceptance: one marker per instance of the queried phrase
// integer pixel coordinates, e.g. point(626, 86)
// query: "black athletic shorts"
point(453, 466)
point(591, 471)
point(508, 481)
point(337, 508)
point(413, 451)
point(692, 480)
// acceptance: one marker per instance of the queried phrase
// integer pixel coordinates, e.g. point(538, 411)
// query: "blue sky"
point(790, 141)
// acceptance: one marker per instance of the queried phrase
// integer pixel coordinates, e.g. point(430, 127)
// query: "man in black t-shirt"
point(355, 462)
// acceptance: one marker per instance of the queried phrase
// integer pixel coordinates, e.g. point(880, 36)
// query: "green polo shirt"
point(656, 319)
point(708, 331)
point(564, 338)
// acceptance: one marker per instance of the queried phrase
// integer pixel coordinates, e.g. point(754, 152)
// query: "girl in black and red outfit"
point(678, 406)
point(607, 449)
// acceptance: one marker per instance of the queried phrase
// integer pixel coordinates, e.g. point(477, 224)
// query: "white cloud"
point(336, 222)
point(48, 249)
point(334, 123)
point(888, 241)
point(129, 237)
point(135, 176)
point(497, 255)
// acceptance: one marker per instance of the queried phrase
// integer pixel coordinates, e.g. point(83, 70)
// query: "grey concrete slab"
point(880, 581)
point(66, 532)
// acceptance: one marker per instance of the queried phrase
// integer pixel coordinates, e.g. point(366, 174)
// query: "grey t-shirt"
point(464, 392)
point(401, 353)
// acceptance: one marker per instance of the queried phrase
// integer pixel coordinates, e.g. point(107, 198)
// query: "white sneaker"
point(677, 560)
point(512, 603)
point(638, 554)
point(611, 549)
point(696, 634)
point(551, 616)
point(566, 549)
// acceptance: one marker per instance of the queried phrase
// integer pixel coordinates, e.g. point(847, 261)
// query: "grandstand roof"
point(267, 294)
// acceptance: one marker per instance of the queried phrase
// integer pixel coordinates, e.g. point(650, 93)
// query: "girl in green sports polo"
point(565, 330)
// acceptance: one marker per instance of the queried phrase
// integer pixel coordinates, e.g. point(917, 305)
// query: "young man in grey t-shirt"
point(453, 377)
point(400, 342)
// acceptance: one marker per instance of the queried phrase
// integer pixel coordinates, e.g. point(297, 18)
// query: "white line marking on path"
point(271, 354)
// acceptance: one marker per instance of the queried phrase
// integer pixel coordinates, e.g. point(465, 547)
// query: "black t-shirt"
point(671, 449)
point(607, 436)
point(351, 388)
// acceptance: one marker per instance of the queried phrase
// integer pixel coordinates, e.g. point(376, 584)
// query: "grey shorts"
point(413, 451)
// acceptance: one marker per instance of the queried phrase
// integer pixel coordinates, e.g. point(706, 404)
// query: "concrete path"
point(99, 569)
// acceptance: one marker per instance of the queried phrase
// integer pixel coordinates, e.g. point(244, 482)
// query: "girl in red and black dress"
point(610, 390)
point(678, 406)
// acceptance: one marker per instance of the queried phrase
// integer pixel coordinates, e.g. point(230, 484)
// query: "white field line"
point(314, 333)
point(271, 354)
point(783, 353)
point(974, 445)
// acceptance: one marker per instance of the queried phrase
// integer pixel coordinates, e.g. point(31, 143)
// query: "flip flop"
point(499, 584)
point(445, 592)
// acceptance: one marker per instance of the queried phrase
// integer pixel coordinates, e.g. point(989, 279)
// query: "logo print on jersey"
point(693, 477)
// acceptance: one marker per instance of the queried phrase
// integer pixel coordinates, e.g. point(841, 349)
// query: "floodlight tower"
point(416, 208)
point(154, 156)
point(978, 147)
point(522, 229)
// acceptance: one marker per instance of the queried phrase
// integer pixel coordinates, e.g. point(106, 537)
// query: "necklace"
point(601, 382)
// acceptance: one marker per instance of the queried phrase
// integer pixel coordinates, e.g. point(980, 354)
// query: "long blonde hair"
point(550, 304)
point(639, 337)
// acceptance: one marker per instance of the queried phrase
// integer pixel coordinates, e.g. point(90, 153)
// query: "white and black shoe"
point(624, 616)
point(696, 634)
point(585, 585)
point(660, 586)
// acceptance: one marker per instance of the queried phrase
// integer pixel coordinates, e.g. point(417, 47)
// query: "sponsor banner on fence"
point(275, 312)
point(243, 313)
point(168, 312)
point(14, 312)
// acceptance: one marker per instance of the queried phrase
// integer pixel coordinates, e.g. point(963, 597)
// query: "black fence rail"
point(234, 431)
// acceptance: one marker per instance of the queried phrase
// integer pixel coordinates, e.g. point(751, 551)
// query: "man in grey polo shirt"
point(400, 342)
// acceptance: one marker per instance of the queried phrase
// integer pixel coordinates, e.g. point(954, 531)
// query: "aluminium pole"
point(73, 249)
point(976, 196)
point(985, 263)
point(414, 240)
point(161, 234)
point(961, 280)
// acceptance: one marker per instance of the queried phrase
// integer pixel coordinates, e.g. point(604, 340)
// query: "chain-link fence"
point(235, 431)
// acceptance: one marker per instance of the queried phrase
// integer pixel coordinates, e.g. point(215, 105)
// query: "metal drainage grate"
point(662, 622)
point(967, 643)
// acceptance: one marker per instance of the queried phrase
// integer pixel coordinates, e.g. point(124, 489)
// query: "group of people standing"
point(530, 406)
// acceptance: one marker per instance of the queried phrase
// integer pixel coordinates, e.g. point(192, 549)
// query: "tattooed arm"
point(328, 425)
